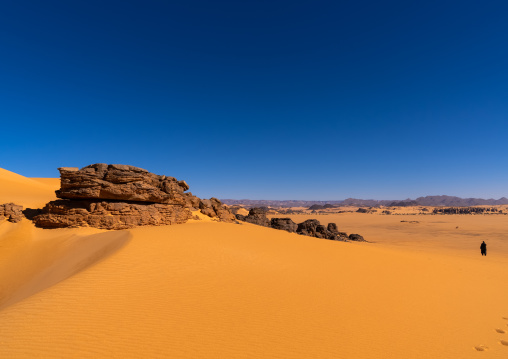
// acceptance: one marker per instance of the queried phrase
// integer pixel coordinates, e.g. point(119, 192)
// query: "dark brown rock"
point(256, 216)
point(356, 237)
point(308, 228)
point(322, 232)
point(313, 228)
point(285, 224)
point(340, 236)
point(465, 210)
point(12, 212)
point(332, 227)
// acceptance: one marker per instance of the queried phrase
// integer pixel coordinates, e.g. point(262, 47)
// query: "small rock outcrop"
point(310, 227)
point(255, 216)
point(313, 228)
point(332, 227)
point(356, 237)
point(212, 208)
point(285, 224)
point(465, 210)
point(120, 197)
point(12, 212)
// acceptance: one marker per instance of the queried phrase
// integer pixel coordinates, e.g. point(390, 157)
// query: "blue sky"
point(316, 100)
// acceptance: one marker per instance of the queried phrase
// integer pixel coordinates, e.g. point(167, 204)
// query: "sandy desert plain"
point(206, 289)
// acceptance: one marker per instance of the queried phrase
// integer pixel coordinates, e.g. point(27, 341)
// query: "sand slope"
point(33, 259)
point(30, 193)
point(215, 290)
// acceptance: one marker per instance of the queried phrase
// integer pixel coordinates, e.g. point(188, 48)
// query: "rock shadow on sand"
point(33, 265)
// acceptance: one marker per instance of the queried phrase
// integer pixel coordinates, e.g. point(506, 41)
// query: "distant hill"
point(273, 203)
point(447, 201)
point(458, 202)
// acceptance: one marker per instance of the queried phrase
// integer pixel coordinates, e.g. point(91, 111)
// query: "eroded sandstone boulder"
point(121, 196)
point(356, 237)
point(214, 208)
point(313, 228)
point(332, 228)
point(12, 212)
point(285, 224)
point(308, 227)
point(120, 182)
point(255, 216)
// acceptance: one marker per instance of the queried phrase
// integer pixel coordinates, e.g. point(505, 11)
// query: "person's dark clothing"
point(483, 248)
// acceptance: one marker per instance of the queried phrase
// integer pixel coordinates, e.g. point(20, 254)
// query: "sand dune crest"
point(30, 193)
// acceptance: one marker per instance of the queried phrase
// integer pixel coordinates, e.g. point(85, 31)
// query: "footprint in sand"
point(500, 330)
point(481, 348)
point(504, 342)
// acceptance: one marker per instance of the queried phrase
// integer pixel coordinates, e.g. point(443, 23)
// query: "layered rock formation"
point(12, 212)
point(310, 227)
point(121, 196)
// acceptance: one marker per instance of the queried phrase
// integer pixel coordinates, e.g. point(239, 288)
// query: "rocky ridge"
point(466, 210)
point(310, 227)
point(120, 196)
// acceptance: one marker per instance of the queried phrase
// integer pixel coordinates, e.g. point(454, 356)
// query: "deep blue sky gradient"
point(308, 100)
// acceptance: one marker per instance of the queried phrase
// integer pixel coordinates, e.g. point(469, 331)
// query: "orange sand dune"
point(34, 259)
point(30, 193)
point(216, 290)
point(207, 289)
point(53, 182)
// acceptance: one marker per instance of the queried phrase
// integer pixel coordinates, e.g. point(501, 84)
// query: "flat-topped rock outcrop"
point(120, 182)
point(120, 197)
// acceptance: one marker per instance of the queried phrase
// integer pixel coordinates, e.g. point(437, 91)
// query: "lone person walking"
point(483, 248)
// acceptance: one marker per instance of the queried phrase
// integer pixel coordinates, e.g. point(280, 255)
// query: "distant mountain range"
point(447, 201)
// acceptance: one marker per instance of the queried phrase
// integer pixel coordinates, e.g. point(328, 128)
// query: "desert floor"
point(216, 290)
